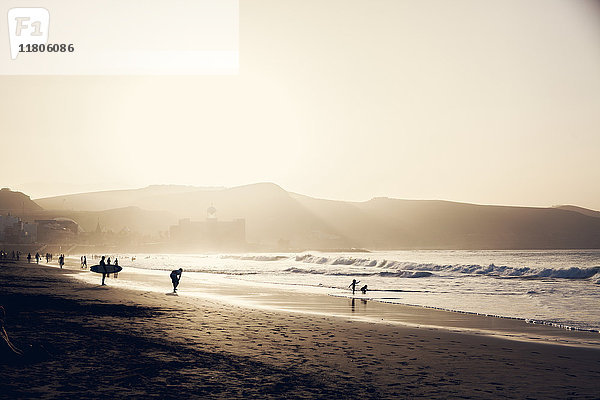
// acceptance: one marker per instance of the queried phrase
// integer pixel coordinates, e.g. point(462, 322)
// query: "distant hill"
point(106, 200)
point(580, 210)
point(270, 212)
point(123, 219)
point(274, 215)
point(16, 202)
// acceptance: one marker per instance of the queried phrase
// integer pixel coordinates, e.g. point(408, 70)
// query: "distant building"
point(14, 230)
point(29, 232)
point(57, 230)
point(210, 233)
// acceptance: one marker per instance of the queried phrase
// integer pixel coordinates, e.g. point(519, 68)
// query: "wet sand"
point(109, 342)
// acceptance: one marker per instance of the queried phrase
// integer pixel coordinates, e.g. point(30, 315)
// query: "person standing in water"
point(175, 278)
point(353, 285)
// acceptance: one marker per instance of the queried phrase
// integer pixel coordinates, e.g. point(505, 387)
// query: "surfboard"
point(107, 269)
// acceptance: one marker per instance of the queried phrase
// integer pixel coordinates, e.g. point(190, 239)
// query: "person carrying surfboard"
point(175, 278)
point(103, 265)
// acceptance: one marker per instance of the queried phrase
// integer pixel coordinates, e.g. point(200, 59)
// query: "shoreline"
point(322, 301)
point(173, 346)
point(526, 286)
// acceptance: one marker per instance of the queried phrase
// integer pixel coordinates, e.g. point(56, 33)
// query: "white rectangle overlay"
point(119, 37)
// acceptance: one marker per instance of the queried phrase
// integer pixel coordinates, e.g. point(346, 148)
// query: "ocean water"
point(556, 287)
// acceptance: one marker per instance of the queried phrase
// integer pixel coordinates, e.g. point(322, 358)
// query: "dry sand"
point(107, 342)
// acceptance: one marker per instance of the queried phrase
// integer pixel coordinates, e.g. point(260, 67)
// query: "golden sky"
point(494, 102)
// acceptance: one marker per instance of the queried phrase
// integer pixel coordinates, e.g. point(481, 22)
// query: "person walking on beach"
point(353, 285)
point(61, 260)
point(175, 278)
point(28, 258)
point(37, 258)
point(84, 262)
point(103, 265)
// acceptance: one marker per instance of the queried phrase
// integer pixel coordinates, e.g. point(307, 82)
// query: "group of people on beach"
point(37, 258)
point(15, 255)
point(354, 284)
point(49, 257)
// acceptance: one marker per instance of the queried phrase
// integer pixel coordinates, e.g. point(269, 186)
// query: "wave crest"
point(398, 274)
point(401, 267)
point(255, 258)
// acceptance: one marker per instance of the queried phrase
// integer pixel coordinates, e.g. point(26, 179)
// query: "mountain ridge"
point(274, 215)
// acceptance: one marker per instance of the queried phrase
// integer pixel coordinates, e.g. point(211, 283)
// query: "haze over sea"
point(555, 287)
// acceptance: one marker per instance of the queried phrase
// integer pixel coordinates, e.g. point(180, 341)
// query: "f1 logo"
point(27, 26)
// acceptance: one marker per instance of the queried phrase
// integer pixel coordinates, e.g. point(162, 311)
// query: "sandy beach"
point(110, 342)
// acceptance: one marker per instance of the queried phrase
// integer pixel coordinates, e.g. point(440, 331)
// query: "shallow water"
point(560, 288)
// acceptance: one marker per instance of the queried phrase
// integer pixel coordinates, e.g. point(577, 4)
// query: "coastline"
point(332, 302)
point(173, 346)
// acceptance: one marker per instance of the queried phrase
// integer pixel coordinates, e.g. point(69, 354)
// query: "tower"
point(211, 213)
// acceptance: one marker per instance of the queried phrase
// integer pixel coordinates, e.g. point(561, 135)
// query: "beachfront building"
point(210, 233)
point(57, 230)
point(14, 230)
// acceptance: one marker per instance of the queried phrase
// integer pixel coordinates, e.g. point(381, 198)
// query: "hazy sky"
point(493, 102)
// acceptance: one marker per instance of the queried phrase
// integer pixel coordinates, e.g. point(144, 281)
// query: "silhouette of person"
point(103, 265)
point(84, 262)
point(116, 274)
point(175, 278)
point(353, 285)
point(28, 257)
point(364, 289)
point(37, 258)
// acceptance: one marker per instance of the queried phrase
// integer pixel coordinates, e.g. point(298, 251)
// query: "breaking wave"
point(256, 258)
point(403, 267)
point(398, 274)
